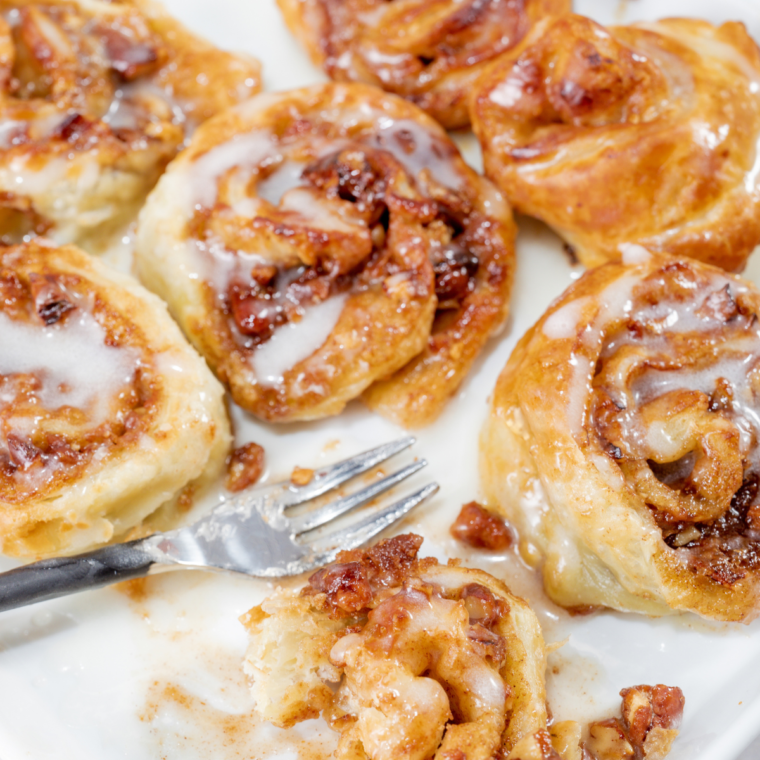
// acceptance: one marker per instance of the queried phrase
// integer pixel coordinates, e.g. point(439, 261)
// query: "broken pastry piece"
point(329, 242)
point(411, 660)
point(623, 436)
point(95, 99)
point(633, 134)
point(106, 412)
point(648, 726)
point(428, 51)
point(651, 716)
point(405, 657)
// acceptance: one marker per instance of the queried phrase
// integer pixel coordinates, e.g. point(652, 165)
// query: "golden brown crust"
point(428, 51)
point(105, 411)
point(625, 420)
point(642, 134)
point(95, 99)
point(341, 224)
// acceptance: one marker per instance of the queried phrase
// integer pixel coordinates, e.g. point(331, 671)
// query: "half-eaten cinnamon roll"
point(407, 658)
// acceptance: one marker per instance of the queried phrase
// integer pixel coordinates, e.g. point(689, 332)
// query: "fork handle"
point(51, 578)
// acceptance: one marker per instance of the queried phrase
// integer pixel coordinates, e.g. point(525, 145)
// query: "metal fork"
point(250, 533)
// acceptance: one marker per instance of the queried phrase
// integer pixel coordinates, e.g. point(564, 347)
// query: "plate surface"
point(152, 670)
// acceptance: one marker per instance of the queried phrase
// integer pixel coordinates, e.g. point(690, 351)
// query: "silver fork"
point(250, 533)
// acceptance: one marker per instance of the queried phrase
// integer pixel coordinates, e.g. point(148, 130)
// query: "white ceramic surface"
point(154, 674)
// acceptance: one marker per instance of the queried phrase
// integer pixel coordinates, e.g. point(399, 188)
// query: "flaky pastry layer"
point(623, 440)
point(106, 413)
point(428, 51)
point(644, 134)
point(411, 660)
point(316, 242)
point(407, 658)
point(95, 99)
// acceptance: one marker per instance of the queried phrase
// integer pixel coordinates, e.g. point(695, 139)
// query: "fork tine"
point(329, 512)
point(327, 478)
point(363, 531)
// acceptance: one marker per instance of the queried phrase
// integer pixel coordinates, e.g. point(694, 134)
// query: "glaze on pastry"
point(432, 660)
point(411, 660)
point(643, 134)
point(624, 440)
point(311, 243)
point(95, 99)
point(428, 51)
point(106, 412)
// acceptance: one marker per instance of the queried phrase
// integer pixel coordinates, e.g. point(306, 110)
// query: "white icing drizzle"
point(507, 93)
point(241, 177)
point(563, 323)
point(295, 341)
point(577, 393)
point(736, 360)
point(634, 254)
point(135, 103)
point(35, 181)
point(319, 212)
point(285, 177)
point(76, 366)
point(423, 154)
point(245, 150)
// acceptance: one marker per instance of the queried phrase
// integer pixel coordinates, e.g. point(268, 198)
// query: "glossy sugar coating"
point(644, 134)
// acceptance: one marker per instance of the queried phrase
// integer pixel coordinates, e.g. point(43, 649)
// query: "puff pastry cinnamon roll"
point(105, 411)
point(428, 51)
point(642, 134)
point(96, 98)
point(406, 658)
point(624, 440)
point(313, 242)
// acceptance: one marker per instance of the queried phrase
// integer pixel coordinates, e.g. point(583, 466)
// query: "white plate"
point(106, 675)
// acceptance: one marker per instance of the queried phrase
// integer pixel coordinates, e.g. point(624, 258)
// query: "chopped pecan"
point(345, 584)
point(719, 305)
point(51, 302)
point(351, 581)
point(482, 606)
point(130, 58)
point(244, 466)
point(23, 453)
point(651, 716)
point(454, 268)
point(478, 527)
point(491, 644)
point(390, 562)
point(254, 312)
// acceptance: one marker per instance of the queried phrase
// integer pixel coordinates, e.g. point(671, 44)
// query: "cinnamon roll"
point(407, 658)
point(624, 440)
point(106, 412)
point(95, 99)
point(428, 51)
point(642, 134)
point(313, 242)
